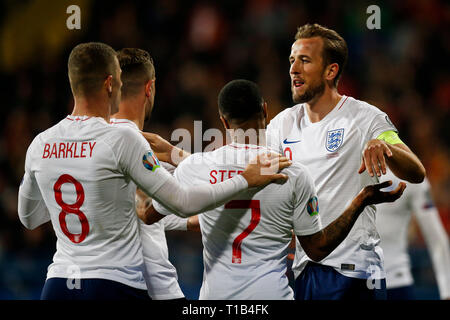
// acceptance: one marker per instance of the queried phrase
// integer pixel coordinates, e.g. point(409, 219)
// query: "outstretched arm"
point(137, 161)
point(320, 244)
point(186, 201)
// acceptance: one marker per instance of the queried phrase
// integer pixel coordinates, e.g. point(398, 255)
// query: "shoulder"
point(192, 159)
point(297, 170)
point(117, 134)
point(299, 176)
point(193, 162)
point(285, 114)
point(191, 168)
point(45, 136)
point(362, 108)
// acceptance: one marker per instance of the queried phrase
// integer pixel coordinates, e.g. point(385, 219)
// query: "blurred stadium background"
point(198, 46)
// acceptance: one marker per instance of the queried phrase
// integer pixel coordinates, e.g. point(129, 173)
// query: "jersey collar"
point(330, 114)
point(83, 118)
point(124, 121)
point(236, 145)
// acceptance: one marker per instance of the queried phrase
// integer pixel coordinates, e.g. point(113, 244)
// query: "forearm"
point(189, 201)
point(326, 240)
point(440, 255)
point(32, 213)
point(405, 164)
point(173, 222)
point(338, 230)
point(438, 244)
point(317, 246)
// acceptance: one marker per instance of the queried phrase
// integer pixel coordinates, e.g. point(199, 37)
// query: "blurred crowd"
point(197, 47)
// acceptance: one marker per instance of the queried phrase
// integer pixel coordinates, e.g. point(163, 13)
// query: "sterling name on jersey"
point(331, 149)
point(82, 169)
point(246, 241)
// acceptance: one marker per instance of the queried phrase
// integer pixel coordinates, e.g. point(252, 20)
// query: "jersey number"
point(286, 151)
point(71, 208)
point(256, 215)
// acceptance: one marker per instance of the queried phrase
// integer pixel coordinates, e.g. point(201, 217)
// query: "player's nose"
point(294, 69)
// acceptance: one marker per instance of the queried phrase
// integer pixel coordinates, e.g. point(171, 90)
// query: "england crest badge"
point(334, 139)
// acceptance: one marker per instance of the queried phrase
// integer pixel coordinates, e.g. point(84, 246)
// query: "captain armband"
point(390, 137)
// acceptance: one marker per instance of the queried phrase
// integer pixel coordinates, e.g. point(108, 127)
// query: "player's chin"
point(299, 98)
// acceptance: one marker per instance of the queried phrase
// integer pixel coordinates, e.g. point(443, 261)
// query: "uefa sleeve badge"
point(150, 161)
point(313, 206)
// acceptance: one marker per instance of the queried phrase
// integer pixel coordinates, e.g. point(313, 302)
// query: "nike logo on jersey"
point(293, 141)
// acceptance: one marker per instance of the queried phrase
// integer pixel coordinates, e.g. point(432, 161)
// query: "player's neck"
point(258, 140)
point(318, 108)
point(92, 107)
point(251, 132)
point(130, 109)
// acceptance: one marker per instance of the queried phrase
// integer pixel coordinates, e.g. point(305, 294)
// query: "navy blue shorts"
point(319, 282)
point(401, 293)
point(91, 289)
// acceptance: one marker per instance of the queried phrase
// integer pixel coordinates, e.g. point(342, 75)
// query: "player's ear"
point(265, 111)
point(225, 123)
point(148, 88)
point(108, 84)
point(331, 71)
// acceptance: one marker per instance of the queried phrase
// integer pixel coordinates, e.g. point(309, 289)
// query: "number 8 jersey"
point(79, 170)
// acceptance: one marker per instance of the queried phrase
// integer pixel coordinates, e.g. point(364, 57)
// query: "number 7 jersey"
point(246, 241)
point(80, 168)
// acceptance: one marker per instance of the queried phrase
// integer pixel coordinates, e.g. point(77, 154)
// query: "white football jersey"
point(246, 241)
point(82, 168)
point(331, 149)
point(160, 275)
point(392, 223)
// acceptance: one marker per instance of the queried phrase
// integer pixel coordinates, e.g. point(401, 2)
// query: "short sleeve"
point(306, 218)
point(372, 121)
point(273, 137)
point(29, 187)
point(137, 160)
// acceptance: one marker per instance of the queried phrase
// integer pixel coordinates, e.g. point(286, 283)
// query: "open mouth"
point(298, 83)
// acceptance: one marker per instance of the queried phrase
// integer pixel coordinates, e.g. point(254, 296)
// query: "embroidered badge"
point(150, 161)
point(313, 206)
point(334, 139)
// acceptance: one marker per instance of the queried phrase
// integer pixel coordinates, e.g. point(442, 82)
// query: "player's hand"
point(264, 169)
point(143, 202)
point(193, 224)
point(373, 194)
point(164, 150)
point(373, 157)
